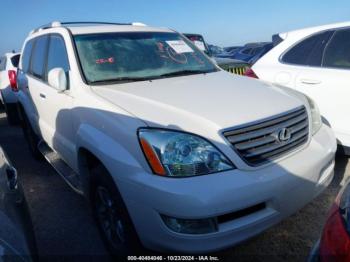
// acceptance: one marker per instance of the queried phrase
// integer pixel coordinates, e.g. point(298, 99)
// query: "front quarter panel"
point(110, 134)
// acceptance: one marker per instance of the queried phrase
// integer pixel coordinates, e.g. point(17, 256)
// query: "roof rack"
point(60, 24)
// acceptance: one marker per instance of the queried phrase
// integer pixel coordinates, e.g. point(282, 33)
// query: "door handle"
point(42, 95)
point(310, 81)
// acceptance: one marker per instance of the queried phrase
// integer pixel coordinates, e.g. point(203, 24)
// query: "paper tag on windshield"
point(180, 46)
point(200, 45)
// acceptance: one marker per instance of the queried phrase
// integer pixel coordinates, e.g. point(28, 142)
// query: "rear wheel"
point(111, 215)
point(30, 136)
point(11, 113)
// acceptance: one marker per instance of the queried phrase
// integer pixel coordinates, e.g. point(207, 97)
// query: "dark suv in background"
point(231, 65)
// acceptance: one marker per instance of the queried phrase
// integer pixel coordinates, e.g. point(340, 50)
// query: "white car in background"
point(8, 68)
point(315, 61)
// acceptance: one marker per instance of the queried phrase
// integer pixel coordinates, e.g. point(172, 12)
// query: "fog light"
point(191, 226)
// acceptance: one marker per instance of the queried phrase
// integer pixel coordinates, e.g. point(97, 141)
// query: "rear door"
point(327, 81)
point(34, 81)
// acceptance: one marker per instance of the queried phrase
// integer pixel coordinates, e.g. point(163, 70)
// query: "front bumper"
point(283, 187)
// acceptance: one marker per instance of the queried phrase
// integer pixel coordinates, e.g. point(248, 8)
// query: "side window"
point(57, 55)
point(39, 57)
point(26, 56)
point(337, 53)
point(309, 51)
point(15, 60)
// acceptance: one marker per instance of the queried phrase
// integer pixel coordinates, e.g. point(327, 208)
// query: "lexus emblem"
point(284, 135)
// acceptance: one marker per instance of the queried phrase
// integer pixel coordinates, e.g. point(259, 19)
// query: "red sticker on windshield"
point(109, 60)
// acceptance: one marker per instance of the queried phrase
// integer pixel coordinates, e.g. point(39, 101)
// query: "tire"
point(30, 136)
point(107, 206)
point(12, 114)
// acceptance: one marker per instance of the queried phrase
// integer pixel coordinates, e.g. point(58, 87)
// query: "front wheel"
point(111, 215)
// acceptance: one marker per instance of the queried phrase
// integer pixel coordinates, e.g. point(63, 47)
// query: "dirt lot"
point(65, 229)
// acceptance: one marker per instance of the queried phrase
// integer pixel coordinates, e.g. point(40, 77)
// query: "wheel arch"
point(87, 160)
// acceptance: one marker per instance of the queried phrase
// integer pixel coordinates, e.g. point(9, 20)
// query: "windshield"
point(133, 56)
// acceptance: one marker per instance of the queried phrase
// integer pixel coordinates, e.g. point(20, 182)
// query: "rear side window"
point(337, 53)
point(15, 60)
point(39, 57)
point(26, 56)
point(308, 52)
point(57, 54)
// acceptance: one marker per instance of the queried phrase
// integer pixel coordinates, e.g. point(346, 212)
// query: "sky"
point(221, 22)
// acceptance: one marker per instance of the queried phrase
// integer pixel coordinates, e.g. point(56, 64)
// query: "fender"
point(107, 150)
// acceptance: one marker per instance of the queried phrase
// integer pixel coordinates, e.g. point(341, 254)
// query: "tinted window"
point(39, 54)
point(26, 55)
point(57, 55)
point(15, 60)
point(309, 51)
point(316, 56)
point(337, 53)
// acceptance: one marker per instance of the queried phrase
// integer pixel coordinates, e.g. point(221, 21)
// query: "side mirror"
point(57, 79)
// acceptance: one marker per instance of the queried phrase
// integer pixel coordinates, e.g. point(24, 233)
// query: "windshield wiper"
point(121, 80)
point(184, 72)
point(135, 79)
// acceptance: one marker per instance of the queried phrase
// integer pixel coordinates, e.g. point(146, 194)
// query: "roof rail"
point(93, 23)
point(59, 24)
point(46, 26)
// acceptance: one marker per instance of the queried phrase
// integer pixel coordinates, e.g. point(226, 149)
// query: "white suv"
point(169, 149)
point(8, 68)
point(315, 61)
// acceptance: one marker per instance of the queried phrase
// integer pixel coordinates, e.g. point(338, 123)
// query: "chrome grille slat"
point(254, 143)
point(299, 127)
point(267, 130)
point(261, 142)
point(265, 123)
point(268, 148)
point(274, 154)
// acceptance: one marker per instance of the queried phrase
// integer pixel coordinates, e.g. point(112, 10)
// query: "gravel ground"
point(65, 230)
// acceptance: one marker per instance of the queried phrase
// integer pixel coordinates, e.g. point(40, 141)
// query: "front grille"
point(259, 143)
point(237, 70)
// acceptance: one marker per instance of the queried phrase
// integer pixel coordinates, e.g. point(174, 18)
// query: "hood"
point(198, 102)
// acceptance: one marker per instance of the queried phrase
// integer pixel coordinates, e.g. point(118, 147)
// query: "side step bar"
point(68, 174)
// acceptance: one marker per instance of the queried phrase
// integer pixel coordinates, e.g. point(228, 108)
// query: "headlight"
point(178, 154)
point(315, 116)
